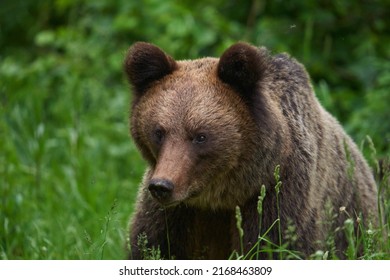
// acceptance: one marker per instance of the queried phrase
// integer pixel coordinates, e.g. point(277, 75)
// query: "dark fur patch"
point(242, 66)
point(146, 63)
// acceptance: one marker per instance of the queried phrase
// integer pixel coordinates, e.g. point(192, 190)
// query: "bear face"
point(191, 124)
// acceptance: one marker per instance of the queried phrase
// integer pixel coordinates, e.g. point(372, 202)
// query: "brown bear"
point(213, 131)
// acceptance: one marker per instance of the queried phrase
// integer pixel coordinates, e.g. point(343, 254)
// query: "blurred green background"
point(68, 169)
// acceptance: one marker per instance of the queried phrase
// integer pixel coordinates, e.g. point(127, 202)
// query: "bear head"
point(195, 121)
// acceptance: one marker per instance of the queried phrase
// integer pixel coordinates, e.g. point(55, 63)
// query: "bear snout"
point(161, 189)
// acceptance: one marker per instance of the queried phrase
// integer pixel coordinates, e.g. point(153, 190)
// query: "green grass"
point(68, 169)
point(69, 206)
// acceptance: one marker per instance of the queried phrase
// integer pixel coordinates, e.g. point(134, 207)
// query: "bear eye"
point(158, 135)
point(200, 138)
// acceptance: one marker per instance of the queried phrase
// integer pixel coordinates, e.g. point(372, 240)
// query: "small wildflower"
point(342, 209)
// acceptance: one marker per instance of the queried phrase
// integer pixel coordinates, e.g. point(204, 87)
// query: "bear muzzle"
point(161, 189)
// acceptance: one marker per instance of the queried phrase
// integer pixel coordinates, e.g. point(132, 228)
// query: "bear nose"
point(160, 188)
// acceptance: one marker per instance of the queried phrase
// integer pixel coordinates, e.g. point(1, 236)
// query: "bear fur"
point(213, 131)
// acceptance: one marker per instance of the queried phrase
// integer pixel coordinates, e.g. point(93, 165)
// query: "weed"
point(277, 189)
point(239, 228)
point(260, 212)
point(146, 252)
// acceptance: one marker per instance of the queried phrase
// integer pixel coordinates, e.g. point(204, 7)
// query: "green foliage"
point(146, 252)
point(65, 155)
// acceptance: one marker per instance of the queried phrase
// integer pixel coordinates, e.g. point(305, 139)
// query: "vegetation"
point(68, 170)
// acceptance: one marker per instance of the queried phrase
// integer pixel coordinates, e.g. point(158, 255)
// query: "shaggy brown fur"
point(213, 131)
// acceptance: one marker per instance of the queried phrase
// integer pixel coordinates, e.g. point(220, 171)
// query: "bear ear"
point(242, 66)
point(146, 63)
